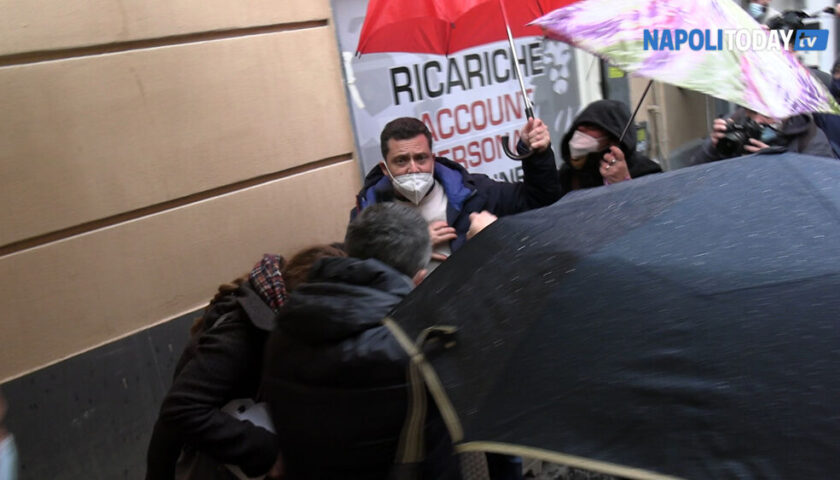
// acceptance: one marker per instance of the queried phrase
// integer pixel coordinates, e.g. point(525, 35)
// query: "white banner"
point(468, 99)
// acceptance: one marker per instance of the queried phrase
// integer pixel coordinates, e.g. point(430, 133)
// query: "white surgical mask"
point(756, 9)
point(580, 144)
point(413, 186)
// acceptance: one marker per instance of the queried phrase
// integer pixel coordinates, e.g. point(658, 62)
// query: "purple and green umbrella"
point(768, 80)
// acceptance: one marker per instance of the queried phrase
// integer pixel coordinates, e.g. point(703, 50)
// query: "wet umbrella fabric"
point(445, 27)
point(685, 324)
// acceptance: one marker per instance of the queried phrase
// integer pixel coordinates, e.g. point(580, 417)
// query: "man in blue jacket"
point(444, 192)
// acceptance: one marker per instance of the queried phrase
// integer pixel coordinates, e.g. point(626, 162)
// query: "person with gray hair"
point(392, 233)
point(334, 376)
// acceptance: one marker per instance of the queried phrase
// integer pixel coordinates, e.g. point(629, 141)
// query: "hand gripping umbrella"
point(446, 26)
point(680, 325)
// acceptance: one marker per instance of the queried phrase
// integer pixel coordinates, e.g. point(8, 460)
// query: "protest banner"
point(468, 99)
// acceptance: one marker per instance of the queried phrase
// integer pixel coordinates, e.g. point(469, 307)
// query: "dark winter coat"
point(610, 116)
point(830, 126)
point(473, 192)
point(798, 134)
point(335, 377)
point(220, 364)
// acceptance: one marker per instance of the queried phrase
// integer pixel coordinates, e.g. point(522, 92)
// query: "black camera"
point(795, 20)
point(737, 135)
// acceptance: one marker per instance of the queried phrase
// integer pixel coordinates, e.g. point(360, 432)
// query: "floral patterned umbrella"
point(769, 81)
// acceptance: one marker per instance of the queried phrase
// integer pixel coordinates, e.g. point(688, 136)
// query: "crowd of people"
point(327, 385)
point(306, 338)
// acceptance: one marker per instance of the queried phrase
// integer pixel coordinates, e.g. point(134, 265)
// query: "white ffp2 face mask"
point(580, 144)
point(412, 186)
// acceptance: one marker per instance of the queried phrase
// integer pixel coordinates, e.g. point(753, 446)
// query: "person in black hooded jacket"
point(334, 376)
point(591, 151)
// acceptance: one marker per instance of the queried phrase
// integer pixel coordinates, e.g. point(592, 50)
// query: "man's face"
point(595, 133)
point(409, 156)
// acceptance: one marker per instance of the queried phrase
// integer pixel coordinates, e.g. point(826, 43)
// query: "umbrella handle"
point(529, 113)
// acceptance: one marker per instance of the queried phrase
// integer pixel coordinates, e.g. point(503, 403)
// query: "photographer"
point(760, 10)
point(749, 132)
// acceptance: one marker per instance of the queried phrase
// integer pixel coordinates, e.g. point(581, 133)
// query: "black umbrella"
point(685, 324)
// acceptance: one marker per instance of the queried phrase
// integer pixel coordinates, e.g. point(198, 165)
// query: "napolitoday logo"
point(811, 40)
point(734, 39)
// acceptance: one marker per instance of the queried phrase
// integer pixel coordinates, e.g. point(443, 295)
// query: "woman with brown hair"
point(223, 362)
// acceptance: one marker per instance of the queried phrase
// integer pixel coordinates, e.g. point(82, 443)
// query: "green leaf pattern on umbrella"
point(769, 81)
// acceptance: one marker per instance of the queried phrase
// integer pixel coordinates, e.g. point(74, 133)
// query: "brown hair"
point(224, 289)
point(297, 270)
point(403, 128)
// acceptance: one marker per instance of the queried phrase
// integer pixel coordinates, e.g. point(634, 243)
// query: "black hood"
point(344, 296)
point(797, 125)
point(608, 115)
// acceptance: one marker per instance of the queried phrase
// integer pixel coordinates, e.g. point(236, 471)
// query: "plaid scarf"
point(267, 279)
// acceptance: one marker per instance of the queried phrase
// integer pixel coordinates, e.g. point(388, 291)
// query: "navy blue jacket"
point(473, 192)
point(830, 125)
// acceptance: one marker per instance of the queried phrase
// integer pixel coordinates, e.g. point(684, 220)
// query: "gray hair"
point(392, 233)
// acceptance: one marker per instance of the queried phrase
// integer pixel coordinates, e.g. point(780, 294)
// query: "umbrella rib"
point(564, 459)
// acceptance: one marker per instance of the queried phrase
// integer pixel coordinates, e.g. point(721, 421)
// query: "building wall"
point(150, 150)
point(675, 116)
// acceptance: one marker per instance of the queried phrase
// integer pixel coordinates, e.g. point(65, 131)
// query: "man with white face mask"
point(444, 192)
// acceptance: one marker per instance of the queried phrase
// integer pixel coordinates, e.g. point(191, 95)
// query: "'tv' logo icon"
point(811, 40)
